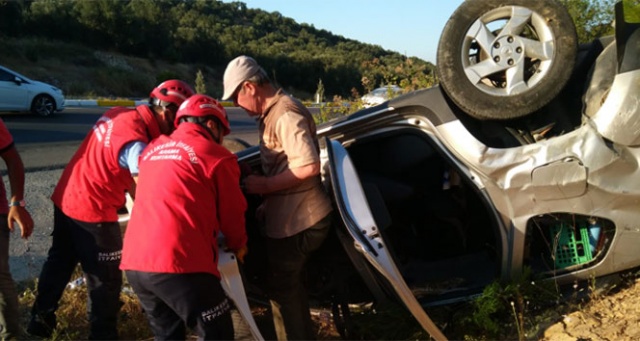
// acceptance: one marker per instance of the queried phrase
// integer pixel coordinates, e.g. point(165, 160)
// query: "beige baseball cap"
point(239, 70)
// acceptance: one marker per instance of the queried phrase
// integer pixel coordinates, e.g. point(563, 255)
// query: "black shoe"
point(41, 327)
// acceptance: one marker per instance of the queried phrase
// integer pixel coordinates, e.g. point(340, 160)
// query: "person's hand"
point(240, 253)
point(20, 215)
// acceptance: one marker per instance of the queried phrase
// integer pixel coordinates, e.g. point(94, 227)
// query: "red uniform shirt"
point(93, 185)
point(6, 141)
point(188, 192)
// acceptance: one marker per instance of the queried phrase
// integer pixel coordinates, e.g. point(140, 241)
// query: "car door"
point(358, 219)
point(12, 95)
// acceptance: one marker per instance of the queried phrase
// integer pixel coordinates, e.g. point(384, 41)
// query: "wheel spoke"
point(477, 72)
point(515, 79)
point(519, 18)
point(481, 34)
point(538, 50)
point(43, 106)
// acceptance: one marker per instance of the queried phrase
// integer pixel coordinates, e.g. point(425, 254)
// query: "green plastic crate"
point(570, 248)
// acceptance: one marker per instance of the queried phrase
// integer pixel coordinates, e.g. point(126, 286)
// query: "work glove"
point(240, 253)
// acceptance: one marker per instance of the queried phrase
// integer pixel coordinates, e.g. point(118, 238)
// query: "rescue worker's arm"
point(132, 188)
point(258, 184)
point(128, 158)
point(15, 171)
point(231, 206)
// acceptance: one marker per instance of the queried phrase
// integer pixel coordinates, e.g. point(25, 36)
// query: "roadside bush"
point(79, 89)
point(31, 53)
point(166, 75)
point(119, 83)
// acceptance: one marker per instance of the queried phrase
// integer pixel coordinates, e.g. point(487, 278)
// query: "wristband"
point(20, 203)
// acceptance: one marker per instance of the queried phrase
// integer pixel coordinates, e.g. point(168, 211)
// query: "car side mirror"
point(17, 80)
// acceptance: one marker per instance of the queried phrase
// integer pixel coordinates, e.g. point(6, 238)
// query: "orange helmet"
point(202, 106)
point(171, 91)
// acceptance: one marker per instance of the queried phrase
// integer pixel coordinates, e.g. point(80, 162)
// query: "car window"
point(6, 76)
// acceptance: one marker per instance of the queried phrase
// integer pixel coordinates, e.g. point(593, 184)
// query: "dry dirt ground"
point(614, 316)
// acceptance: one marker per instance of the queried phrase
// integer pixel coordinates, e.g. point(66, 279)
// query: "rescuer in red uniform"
point(188, 193)
point(86, 200)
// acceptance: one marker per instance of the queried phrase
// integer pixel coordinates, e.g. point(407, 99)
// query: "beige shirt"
point(288, 140)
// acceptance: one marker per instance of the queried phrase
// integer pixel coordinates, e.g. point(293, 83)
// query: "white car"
point(21, 94)
point(380, 95)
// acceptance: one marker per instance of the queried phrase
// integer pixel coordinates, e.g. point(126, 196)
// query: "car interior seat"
point(408, 196)
point(377, 205)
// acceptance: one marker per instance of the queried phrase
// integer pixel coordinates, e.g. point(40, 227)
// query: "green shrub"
point(166, 75)
point(201, 87)
point(32, 53)
point(120, 83)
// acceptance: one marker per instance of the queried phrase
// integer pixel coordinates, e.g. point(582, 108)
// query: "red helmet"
point(202, 106)
point(172, 91)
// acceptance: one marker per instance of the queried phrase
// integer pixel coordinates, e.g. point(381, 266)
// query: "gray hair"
point(260, 78)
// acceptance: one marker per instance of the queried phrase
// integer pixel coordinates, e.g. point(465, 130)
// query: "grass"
point(505, 311)
point(520, 310)
point(73, 323)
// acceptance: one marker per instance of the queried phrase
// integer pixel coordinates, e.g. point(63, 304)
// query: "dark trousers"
point(288, 295)
point(173, 302)
point(98, 248)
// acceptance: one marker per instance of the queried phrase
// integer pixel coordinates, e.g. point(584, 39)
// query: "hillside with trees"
point(206, 34)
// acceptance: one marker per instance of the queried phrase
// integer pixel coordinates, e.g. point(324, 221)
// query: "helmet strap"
point(158, 102)
point(215, 138)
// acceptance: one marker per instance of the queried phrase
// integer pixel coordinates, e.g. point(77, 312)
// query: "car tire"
point(43, 105)
point(503, 59)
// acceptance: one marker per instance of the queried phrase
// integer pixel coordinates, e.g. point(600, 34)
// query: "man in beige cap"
point(297, 209)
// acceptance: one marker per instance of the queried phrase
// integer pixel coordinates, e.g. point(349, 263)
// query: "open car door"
point(358, 219)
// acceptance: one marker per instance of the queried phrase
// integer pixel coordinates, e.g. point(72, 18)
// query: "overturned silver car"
point(530, 160)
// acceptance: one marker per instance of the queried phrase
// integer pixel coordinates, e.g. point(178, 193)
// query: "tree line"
point(212, 33)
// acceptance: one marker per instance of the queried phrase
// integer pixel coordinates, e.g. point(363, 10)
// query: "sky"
point(410, 27)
